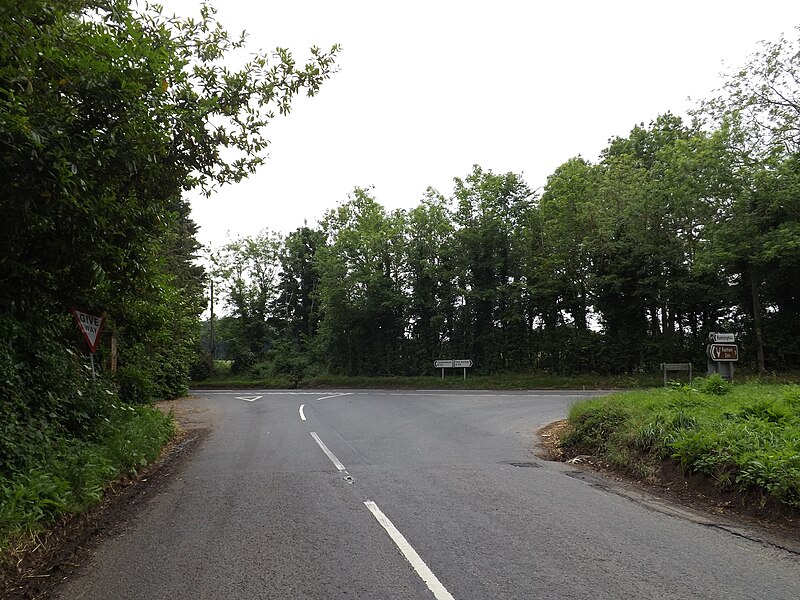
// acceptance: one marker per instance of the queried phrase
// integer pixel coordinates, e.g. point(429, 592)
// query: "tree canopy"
point(108, 113)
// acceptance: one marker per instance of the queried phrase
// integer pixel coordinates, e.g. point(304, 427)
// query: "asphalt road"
point(401, 495)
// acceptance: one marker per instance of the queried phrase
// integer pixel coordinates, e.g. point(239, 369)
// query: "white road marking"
point(302, 414)
point(336, 395)
point(433, 583)
point(248, 398)
point(336, 462)
point(263, 392)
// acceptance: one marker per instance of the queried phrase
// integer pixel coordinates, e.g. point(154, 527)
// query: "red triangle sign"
point(91, 327)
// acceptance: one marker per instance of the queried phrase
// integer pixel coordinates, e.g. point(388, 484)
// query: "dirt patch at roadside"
point(37, 565)
point(696, 492)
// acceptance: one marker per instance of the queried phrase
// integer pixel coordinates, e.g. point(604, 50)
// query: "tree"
point(758, 109)
point(490, 208)
point(761, 100)
point(299, 279)
point(107, 114)
point(248, 269)
point(430, 256)
point(362, 283)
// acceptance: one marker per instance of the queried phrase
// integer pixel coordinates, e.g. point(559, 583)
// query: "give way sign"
point(91, 327)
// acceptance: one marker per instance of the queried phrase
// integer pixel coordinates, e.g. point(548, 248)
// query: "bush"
point(243, 360)
point(135, 385)
point(593, 423)
point(200, 367)
point(713, 385)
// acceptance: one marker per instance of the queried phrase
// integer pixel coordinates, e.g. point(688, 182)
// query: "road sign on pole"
point(91, 327)
point(723, 352)
point(453, 363)
point(721, 338)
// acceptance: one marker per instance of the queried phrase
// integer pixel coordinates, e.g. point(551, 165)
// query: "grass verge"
point(742, 437)
point(452, 381)
point(77, 472)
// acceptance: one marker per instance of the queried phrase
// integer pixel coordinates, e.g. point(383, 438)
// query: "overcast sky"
point(427, 89)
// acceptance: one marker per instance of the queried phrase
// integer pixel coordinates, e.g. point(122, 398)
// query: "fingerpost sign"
point(453, 363)
point(722, 353)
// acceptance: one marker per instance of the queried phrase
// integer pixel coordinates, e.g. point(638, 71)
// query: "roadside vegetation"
point(263, 375)
point(743, 437)
point(109, 112)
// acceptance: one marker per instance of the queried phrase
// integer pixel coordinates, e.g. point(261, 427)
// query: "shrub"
point(713, 385)
point(243, 360)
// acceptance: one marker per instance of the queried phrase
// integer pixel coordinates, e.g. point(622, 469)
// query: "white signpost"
point(453, 363)
point(91, 327)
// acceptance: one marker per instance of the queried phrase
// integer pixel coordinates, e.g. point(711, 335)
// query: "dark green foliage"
point(713, 385)
point(243, 360)
point(47, 390)
point(71, 474)
point(201, 363)
point(109, 111)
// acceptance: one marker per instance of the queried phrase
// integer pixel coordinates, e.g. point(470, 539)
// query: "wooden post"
point(114, 351)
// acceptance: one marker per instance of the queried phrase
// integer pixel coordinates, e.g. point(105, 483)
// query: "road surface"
point(410, 495)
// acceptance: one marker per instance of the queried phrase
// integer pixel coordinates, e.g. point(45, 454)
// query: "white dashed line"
point(433, 583)
point(336, 462)
point(302, 414)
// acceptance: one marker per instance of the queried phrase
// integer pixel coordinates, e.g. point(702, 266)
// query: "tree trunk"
point(756, 302)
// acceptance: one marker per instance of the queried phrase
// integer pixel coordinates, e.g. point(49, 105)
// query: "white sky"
point(427, 89)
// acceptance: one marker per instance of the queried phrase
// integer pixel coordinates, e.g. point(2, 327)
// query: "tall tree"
point(759, 109)
point(248, 269)
point(430, 255)
point(298, 306)
point(489, 209)
point(107, 114)
point(362, 287)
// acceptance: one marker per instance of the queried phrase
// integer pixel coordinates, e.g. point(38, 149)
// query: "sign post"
point(443, 364)
point(91, 327)
point(722, 353)
point(453, 363)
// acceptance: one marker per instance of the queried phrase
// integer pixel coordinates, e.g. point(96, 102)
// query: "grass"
point(745, 437)
point(77, 472)
point(452, 381)
point(224, 378)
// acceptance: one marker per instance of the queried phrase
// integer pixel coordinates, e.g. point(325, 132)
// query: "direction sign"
point(460, 363)
point(91, 326)
point(723, 352)
point(722, 338)
point(444, 364)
